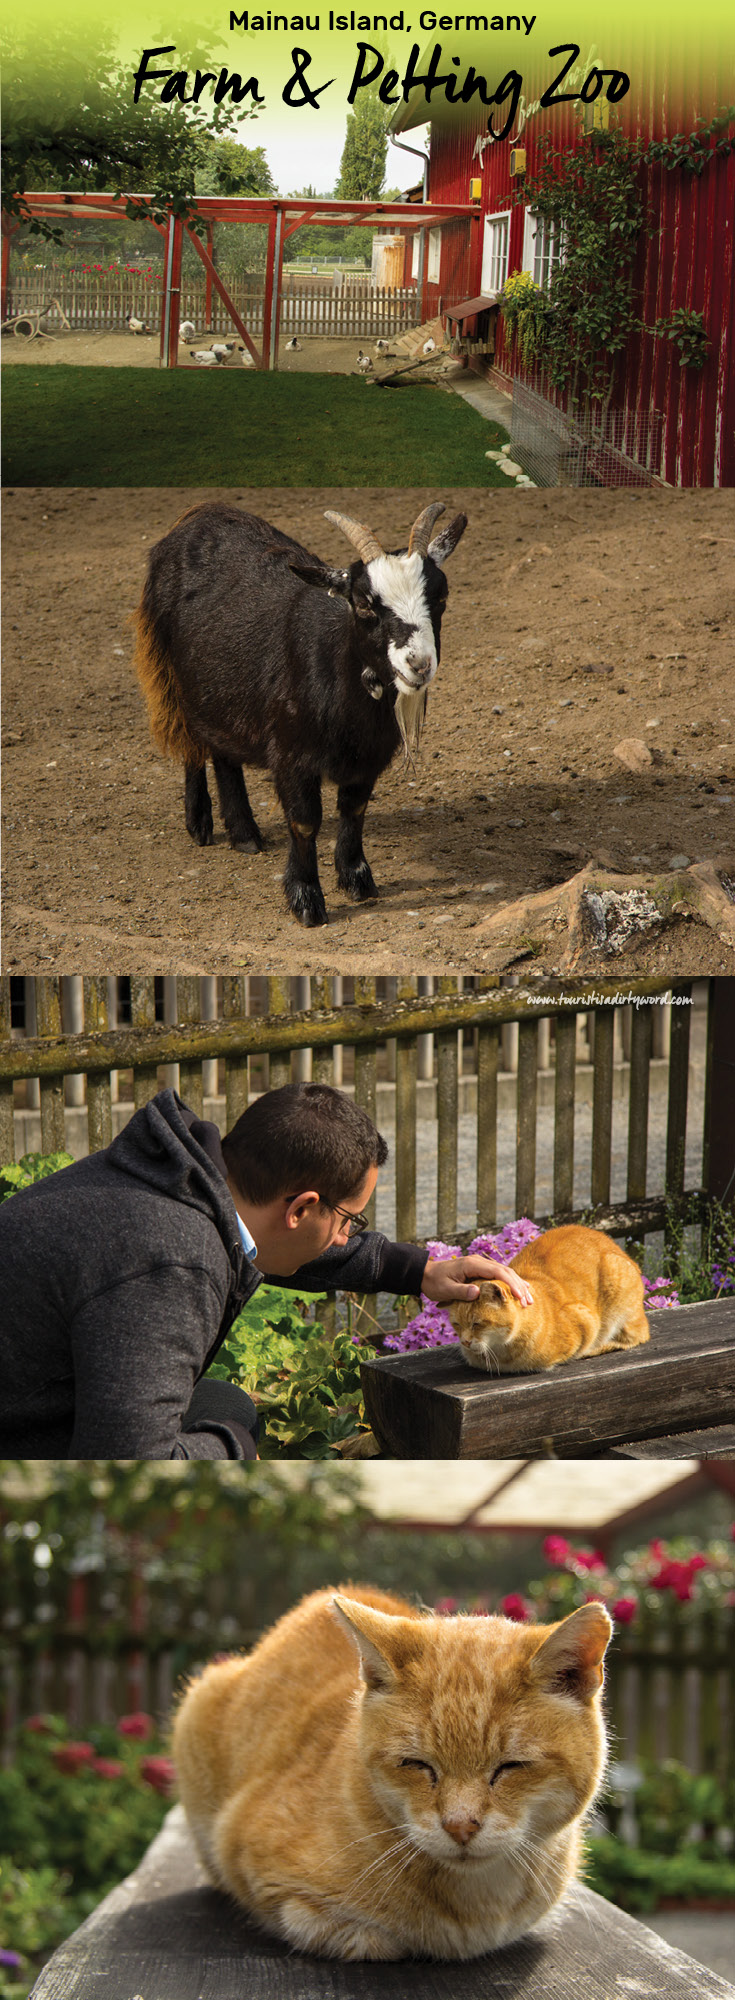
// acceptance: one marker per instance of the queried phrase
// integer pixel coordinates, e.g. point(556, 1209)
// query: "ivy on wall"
point(594, 201)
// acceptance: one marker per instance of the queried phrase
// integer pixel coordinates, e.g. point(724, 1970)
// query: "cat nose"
point(461, 1827)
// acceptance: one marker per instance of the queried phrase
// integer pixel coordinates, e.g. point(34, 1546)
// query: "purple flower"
point(12, 1959)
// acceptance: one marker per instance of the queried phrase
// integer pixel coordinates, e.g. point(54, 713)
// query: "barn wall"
point(687, 259)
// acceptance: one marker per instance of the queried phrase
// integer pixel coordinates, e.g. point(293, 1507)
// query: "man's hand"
point(448, 1278)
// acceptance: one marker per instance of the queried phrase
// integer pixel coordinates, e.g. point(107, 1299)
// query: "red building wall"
point(688, 259)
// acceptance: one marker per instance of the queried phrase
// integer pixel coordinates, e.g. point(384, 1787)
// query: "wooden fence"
point(468, 1023)
point(99, 302)
point(98, 1646)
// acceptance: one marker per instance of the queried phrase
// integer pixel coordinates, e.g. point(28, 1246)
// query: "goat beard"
point(410, 713)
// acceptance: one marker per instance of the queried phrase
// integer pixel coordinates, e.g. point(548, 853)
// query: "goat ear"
point(444, 544)
point(337, 581)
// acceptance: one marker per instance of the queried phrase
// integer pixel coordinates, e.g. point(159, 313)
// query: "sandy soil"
point(575, 620)
point(127, 350)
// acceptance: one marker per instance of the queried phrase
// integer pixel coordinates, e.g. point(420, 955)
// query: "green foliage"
point(79, 128)
point(362, 167)
point(706, 1271)
point(687, 332)
point(32, 1167)
point(525, 310)
point(71, 1830)
point(306, 1381)
point(594, 198)
point(637, 1881)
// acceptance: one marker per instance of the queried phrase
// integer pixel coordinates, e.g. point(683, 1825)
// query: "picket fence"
point(359, 1032)
point(97, 1646)
point(100, 302)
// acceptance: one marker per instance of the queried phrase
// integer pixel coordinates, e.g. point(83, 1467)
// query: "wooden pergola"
point(281, 216)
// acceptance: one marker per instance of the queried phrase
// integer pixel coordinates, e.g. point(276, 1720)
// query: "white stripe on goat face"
point(398, 581)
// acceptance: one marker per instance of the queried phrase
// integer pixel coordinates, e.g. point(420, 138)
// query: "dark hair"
point(303, 1136)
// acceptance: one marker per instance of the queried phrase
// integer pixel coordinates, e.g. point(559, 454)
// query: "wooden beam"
point(431, 1405)
point(225, 297)
point(166, 1931)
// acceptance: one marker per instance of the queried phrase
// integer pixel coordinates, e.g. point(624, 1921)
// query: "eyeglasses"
point(358, 1223)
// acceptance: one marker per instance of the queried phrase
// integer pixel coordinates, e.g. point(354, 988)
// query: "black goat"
point(243, 661)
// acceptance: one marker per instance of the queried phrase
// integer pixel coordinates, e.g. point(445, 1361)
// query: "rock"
point(633, 753)
point(680, 861)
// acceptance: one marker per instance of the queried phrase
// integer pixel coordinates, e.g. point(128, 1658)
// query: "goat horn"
point(361, 538)
point(420, 536)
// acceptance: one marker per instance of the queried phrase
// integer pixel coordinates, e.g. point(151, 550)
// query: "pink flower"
point(625, 1610)
point(39, 1724)
point(515, 1607)
point(445, 1607)
point(139, 1725)
point(590, 1559)
point(69, 1757)
point(556, 1550)
point(158, 1772)
point(108, 1767)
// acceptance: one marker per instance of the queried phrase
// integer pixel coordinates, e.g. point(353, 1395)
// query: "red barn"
point(686, 260)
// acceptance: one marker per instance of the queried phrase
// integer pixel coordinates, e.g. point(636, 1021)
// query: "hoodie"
point(121, 1276)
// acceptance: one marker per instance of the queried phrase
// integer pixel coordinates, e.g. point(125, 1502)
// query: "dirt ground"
point(575, 621)
point(334, 356)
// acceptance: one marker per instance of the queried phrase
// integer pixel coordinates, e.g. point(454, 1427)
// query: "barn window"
point(542, 248)
point(495, 253)
point(435, 255)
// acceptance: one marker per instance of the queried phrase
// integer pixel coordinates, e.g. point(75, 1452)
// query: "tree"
point(77, 127)
point(362, 168)
point(227, 167)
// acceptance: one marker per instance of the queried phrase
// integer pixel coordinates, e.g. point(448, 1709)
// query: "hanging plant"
point(525, 308)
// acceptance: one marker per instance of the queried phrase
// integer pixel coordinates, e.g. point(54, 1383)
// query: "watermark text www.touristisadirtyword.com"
point(556, 1000)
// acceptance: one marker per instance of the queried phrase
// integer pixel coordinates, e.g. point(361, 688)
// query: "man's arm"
point(366, 1263)
point(138, 1350)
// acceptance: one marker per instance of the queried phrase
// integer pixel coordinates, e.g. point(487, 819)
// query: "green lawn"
point(129, 427)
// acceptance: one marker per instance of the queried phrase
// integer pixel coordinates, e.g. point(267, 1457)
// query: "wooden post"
point(208, 276)
point(236, 1074)
point(269, 283)
point(602, 1098)
point(275, 318)
point(189, 1009)
point(366, 1064)
point(447, 1108)
point(488, 1058)
point(168, 265)
point(7, 232)
point(676, 1127)
point(565, 1039)
point(7, 1124)
point(719, 1150)
point(143, 1014)
point(99, 1093)
point(526, 1117)
point(641, 1036)
point(405, 1147)
point(48, 1018)
point(279, 1002)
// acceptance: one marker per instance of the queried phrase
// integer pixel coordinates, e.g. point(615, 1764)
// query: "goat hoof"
point(203, 834)
point(359, 884)
point(252, 846)
point(308, 905)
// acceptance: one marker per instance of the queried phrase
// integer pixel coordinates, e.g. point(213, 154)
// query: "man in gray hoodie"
point(121, 1276)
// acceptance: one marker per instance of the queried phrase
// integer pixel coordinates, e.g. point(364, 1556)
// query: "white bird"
point(187, 330)
point(363, 361)
point(136, 325)
point(429, 346)
point(206, 357)
point(222, 348)
point(381, 346)
point(293, 346)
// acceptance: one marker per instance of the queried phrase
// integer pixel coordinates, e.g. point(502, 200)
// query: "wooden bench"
point(166, 1935)
point(679, 1387)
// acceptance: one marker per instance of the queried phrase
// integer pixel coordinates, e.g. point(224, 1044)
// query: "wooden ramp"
point(165, 1935)
point(431, 1405)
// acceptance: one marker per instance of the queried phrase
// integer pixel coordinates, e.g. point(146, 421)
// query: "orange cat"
point(587, 1298)
point(375, 1783)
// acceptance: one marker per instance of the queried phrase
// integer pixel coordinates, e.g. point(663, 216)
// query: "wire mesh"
point(559, 448)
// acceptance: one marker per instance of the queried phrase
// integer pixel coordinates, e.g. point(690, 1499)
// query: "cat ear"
point(371, 1632)
point(570, 1660)
point(494, 1288)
